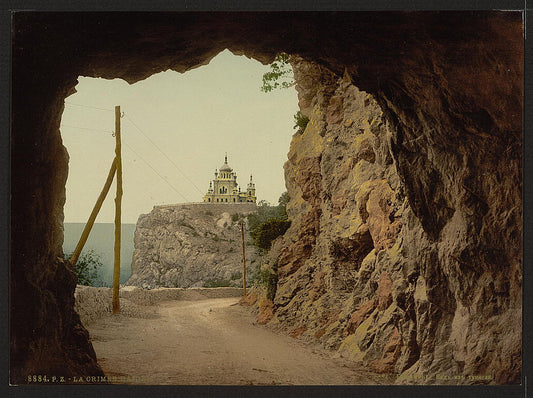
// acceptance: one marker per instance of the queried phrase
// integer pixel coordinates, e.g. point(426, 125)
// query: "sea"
point(102, 241)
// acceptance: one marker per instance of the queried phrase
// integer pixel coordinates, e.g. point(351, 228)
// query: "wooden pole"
point(92, 217)
point(118, 204)
point(243, 261)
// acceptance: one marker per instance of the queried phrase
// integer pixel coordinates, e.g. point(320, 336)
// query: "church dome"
point(225, 166)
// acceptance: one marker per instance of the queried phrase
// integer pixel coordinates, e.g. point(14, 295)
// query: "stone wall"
point(93, 303)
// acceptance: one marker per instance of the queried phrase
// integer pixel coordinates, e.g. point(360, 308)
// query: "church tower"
point(250, 190)
point(224, 188)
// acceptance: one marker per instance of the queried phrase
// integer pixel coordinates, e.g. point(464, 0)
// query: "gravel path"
point(211, 341)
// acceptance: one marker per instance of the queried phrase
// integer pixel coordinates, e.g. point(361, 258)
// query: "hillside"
point(191, 245)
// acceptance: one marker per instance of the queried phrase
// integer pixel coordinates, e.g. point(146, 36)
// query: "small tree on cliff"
point(268, 231)
point(88, 268)
point(265, 226)
point(280, 74)
point(269, 222)
point(300, 122)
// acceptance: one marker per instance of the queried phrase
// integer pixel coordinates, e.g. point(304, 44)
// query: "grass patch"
point(236, 275)
point(267, 279)
point(217, 283)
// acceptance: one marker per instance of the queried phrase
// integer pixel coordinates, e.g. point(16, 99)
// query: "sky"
point(176, 129)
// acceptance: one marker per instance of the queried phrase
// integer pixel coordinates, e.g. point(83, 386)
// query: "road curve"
point(210, 342)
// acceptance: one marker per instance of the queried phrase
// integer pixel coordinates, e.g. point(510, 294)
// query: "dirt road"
point(211, 342)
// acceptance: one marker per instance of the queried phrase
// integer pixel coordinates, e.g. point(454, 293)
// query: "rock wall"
point(191, 245)
point(362, 273)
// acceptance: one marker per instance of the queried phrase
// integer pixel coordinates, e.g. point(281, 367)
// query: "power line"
point(140, 157)
point(110, 132)
point(85, 128)
point(164, 154)
point(129, 147)
point(146, 136)
point(155, 171)
point(91, 107)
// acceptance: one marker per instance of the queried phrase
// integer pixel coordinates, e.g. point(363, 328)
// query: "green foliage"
point(217, 283)
point(88, 268)
point(264, 212)
point(300, 121)
point(268, 231)
point(266, 278)
point(280, 74)
point(282, 205)
point(236, 275)
point(268, 223)
point(236, 217)
point(284, 199)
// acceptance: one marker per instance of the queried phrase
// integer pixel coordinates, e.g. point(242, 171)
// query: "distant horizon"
point(101, 241)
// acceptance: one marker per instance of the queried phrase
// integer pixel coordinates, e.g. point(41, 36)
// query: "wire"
point(164, 154)
point(92, 107)
point(155, 171)
point(130, 148)
point(85, 128)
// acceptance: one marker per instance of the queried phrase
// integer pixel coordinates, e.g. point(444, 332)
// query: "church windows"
point(226, 188)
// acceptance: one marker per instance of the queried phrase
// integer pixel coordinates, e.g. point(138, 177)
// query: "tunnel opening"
point(176, 129)
point(414, 57)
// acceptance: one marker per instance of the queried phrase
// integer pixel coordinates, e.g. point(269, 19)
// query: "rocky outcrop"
point(191, 245)
point(361, 272)
point(450, 85)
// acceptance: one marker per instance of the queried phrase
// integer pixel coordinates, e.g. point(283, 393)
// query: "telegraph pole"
point(92, 217)
point(118, 208)
point(243, 261)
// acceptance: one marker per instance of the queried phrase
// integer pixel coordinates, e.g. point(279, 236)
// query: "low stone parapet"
point(93, 303)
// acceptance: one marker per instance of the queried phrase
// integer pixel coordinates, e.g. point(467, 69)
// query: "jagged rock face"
point(191, 245)
point(374, 283)
point(450, 87)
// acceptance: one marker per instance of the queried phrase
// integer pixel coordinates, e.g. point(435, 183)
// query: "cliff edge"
point(191, 245)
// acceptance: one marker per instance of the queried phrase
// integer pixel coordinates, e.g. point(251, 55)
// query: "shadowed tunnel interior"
point(449, 85)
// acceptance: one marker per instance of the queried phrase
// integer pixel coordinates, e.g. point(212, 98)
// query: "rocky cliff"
point(191, 245)
point(360, 271)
